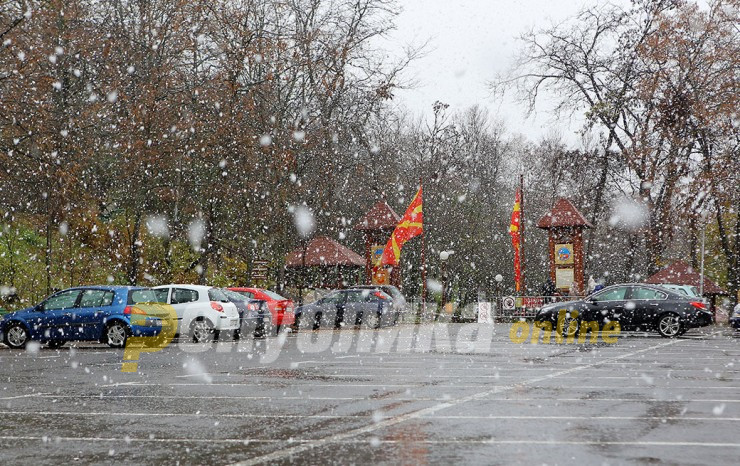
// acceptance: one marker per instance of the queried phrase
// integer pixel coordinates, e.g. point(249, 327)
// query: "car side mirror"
point(593, 300)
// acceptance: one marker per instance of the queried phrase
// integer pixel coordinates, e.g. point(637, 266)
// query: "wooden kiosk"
point(377, 226)
point(565, 225)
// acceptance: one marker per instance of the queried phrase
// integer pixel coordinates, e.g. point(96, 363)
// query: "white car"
point(687, 290)
point(203, 312)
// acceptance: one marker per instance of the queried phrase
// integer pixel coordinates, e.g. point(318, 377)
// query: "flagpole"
point(423, 262)
point(521, 235)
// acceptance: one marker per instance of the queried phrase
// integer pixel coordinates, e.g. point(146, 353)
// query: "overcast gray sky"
point(471, 41)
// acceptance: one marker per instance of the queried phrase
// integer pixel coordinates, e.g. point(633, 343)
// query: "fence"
point(524, 307)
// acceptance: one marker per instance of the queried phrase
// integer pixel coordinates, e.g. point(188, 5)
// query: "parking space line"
point(29, 395)
point(307, 443)
point(292, 450)
point(636, 378)
point(304, 397)
point(364, 416)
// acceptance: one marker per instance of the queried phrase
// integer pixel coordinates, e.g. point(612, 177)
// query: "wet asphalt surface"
point(393, 396)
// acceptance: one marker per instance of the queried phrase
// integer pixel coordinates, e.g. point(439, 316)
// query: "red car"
point(281, 308)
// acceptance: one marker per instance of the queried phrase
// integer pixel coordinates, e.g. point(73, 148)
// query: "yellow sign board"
point(564, 277)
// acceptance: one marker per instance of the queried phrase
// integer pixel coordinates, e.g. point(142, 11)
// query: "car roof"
point(646, 285)
point(106, 287)
point(649, 285)
point(192, 287)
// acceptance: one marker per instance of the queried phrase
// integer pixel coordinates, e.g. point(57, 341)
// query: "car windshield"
point(235, 296)
point(273, 295)
point(216, 294)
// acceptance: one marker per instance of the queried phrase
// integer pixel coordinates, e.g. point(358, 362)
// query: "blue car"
point(90, 313)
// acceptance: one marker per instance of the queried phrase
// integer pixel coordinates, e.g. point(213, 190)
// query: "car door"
point(330, 307)
point(55, 314)
point(87, 319)
point(183, 301)
point(646, 303)
point(610, 305)
point(356, 306)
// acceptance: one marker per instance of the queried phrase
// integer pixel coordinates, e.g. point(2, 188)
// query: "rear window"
point(245, 294)
point(214, 294)
point(393, 292)
point(147, 296)
point(273, 295)
point(234, 296)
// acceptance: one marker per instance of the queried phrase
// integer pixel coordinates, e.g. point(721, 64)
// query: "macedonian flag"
point(410, 225)
point(515, 232)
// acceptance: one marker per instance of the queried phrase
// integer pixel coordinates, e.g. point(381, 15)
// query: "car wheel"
point(316, 321)
point(53, 344)
point(16, 336)
point(296, 325)
point(669, 325)
point(202, 331)
point(569, 330)
point(259, 330)
point(116, 334)
point(372, 320)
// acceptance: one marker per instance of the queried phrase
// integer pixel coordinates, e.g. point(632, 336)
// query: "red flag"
point(515, 232)
point(411, 225)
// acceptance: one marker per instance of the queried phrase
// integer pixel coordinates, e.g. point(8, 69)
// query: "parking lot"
point(348, 396)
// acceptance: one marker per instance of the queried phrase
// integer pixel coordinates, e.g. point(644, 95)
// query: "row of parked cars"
point(111, 314)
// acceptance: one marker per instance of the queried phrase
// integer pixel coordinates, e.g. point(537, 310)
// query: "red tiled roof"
point(680, 273)
point(324, 251)
point(380, 217)
point(563, 214)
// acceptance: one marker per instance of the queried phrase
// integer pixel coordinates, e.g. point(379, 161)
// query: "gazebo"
point(327, 262)
point(680, 273)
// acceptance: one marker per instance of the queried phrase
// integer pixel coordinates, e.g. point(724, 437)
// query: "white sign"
point(485, 313)
point(509, 303)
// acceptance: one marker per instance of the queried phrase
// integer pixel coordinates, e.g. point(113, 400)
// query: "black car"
point(635, 306)
point(253, 314)
point(353, 306)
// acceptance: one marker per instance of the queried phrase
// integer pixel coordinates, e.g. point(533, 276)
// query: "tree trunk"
point(731, 250)
point(47, 255)
point(135, 248)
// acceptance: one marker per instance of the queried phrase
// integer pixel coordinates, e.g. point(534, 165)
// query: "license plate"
point(234, 321)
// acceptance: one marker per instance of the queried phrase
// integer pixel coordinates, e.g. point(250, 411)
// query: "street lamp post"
point(443, 257)
point(701, 272)
point(704, 221)
point(499, 279)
